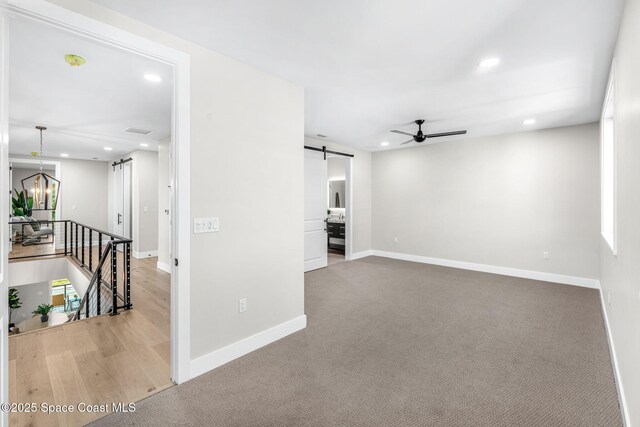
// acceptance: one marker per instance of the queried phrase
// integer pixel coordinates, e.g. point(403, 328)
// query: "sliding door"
point(315, 210)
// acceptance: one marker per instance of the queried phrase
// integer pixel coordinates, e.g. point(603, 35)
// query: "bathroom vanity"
point(336, 233)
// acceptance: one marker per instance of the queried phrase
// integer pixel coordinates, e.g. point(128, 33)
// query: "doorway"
point(336, 209)
point(328, 207)
point(47, 14)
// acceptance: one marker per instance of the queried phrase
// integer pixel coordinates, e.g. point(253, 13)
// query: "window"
point(608, 166)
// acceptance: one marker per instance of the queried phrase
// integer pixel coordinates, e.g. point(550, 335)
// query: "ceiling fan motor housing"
point(419, 137)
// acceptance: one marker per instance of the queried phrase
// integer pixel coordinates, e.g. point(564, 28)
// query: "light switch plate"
point(206, 225)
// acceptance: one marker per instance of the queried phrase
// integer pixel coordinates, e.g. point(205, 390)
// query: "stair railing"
point(105, 256)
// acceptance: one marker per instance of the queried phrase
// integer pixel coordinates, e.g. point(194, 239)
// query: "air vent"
point(138, 131)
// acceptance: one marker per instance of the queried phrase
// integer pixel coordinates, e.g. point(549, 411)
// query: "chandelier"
point(42, 187)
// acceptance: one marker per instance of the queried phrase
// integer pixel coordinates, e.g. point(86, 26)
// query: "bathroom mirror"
point(336, 194)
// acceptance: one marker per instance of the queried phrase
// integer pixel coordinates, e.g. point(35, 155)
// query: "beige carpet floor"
point(393, 343)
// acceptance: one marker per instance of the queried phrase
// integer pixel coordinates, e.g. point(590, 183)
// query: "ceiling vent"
point(138, 131)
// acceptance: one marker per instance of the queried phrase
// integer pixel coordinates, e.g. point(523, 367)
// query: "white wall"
point(31, 296)
point(500, 200)
point(361, 192)
point(238, 177)
point(164, 203)
point(84, 184)
point(620, 275)
point(144, 205)
point(336, 168)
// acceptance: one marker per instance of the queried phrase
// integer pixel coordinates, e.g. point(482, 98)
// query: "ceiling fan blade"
point(403, 133)
point(406, 142)
point(437, 135)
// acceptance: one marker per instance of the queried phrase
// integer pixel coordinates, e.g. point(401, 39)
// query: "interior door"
point(122, 200)
point(315, 210)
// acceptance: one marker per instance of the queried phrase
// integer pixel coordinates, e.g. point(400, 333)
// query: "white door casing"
point(4, 214)
point(315, 210)
point(84, 26)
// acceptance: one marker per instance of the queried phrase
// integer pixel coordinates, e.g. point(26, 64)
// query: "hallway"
point(124, 358)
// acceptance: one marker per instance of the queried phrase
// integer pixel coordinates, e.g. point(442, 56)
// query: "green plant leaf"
point(43, 309)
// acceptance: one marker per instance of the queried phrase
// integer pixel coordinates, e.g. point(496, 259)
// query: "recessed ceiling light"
point(384, 143)
point(528, 122)
point(108, 148)
point(154, 78)
point(489, 62)
point(144, 144)
point(64, 155)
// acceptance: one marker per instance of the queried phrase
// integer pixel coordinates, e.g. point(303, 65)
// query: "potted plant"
point(14, 303)
point(22, 204)
point(43, 310)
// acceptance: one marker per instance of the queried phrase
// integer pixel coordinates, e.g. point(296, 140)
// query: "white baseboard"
point(141, 255)
point(238, 349)
point(163, 266)
point(614, 360)
point(504, 271)
point(363, 254)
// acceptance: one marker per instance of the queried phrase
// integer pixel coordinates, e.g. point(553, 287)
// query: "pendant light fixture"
point(42, 187)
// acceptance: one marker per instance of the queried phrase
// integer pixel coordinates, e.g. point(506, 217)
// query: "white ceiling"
point(369, 66)
point(85, 108)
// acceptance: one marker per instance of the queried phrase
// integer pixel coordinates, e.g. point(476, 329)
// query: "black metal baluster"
point(90, 250)
point(87, 304)
point(127, 280)
point(99, 283)
point(76, 240)
point(65, 238)
point(114, 279)
point(82, 254)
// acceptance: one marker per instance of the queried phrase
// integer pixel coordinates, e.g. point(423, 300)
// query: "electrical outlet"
point(242, 305)
point(545, 255)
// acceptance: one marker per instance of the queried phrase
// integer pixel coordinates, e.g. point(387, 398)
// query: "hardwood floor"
point(123, 358)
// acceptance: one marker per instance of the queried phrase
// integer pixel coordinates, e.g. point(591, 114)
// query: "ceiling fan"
point(420, 137)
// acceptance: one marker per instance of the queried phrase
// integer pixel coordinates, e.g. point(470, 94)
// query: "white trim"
point(146, 254)
point(614, 361)
point(362, 254)
point(610, 238)
point(240, 348)
point(163, 266)
point(44, 12)
point(504, 271)
point(4, 214)
point(348, 248)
